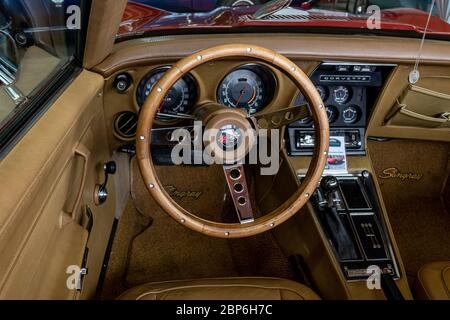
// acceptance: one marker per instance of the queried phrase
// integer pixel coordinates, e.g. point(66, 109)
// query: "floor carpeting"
point(166, 250)
point(415, 203)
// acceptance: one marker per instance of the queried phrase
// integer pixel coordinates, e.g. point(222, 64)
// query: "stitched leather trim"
point(156, 292)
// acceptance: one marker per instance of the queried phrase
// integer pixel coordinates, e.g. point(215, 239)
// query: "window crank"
point(101, 191)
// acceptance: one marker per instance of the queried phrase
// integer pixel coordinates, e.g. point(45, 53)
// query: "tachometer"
point(250, 87)
point(181, 96)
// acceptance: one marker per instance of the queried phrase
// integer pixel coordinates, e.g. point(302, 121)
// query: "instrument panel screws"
point(272, 225)
point(294, 69)
point(142, 138)
point(199, 58)
point(306, 195)
point(249, 50)
point(159, 90)
point(152, 186)
point(321, 106)
point(227, 234)
point(183, 221)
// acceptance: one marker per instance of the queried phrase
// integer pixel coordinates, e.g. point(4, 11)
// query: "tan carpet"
point(168, 251)
point(131, 225)
point(416, 208)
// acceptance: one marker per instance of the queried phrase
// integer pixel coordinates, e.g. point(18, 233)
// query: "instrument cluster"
point(344, 104)
point(349, 91)
point(250, 87)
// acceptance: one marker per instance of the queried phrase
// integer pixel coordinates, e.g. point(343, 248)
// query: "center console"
point(350, 215)
point(346, 207)
point(349, 91)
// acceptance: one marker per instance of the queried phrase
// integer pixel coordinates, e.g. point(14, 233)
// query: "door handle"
point(72, 214)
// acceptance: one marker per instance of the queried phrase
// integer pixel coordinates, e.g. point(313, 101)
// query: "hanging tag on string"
point(414, 75)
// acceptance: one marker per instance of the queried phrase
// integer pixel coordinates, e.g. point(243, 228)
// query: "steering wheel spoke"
point(237, 183)
point(282, 117)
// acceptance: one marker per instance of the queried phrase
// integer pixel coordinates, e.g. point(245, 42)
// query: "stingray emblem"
point(394, 173)
point(175, 193)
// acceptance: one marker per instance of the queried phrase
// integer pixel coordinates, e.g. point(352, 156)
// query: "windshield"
point(391, 17)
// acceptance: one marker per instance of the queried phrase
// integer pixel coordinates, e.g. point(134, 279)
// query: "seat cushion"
point(433, 282)
point(222, 289)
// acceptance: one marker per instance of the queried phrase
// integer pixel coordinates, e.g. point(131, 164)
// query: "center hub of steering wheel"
point(230, 137)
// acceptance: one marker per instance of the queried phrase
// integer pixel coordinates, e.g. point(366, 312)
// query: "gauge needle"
point(240, 97)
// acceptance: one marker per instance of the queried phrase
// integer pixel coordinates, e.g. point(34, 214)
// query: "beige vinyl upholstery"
point(433, 282)
point(222, 289)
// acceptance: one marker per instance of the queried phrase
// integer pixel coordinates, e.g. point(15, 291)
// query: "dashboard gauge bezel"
point(347, 99)
point(268, 79)
point(358, 114)
point(189, 79)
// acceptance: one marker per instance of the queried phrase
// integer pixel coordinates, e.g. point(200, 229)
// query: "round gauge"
point(323, 91)
point(341, 94)
point(249, 87)
point(333, 113)
point(351, 114)
point(180, 98)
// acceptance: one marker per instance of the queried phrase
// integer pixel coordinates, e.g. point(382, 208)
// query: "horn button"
point(229, 136)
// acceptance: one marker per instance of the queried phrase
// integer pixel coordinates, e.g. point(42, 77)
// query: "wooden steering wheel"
point(217, 116)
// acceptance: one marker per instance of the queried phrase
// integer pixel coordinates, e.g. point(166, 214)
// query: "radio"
point(302, 140)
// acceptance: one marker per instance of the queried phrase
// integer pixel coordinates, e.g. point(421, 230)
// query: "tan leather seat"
point(222, 289)
point(433, 282)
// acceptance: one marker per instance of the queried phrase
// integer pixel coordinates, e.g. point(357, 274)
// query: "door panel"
point(47, 186)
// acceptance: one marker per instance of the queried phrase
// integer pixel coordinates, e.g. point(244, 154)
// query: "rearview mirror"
point(271, 7)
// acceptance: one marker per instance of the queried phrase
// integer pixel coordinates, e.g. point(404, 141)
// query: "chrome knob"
point(101, 190)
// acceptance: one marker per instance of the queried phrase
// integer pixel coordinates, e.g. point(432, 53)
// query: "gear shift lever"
point(338, 233)
point(330, 187)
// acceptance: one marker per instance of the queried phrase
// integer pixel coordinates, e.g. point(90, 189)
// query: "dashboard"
point(349, 91)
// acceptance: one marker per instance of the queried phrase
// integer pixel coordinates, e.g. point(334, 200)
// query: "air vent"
point(290, 14)
point(125, 125)
point(298, 17)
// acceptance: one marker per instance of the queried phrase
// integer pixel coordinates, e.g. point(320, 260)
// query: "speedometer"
point(250, 87)
point(180, 98)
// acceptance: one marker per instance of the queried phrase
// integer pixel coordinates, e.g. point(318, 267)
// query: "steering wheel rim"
point(295, 202)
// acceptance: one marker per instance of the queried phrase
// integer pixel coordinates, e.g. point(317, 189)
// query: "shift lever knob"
point(329, 184)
